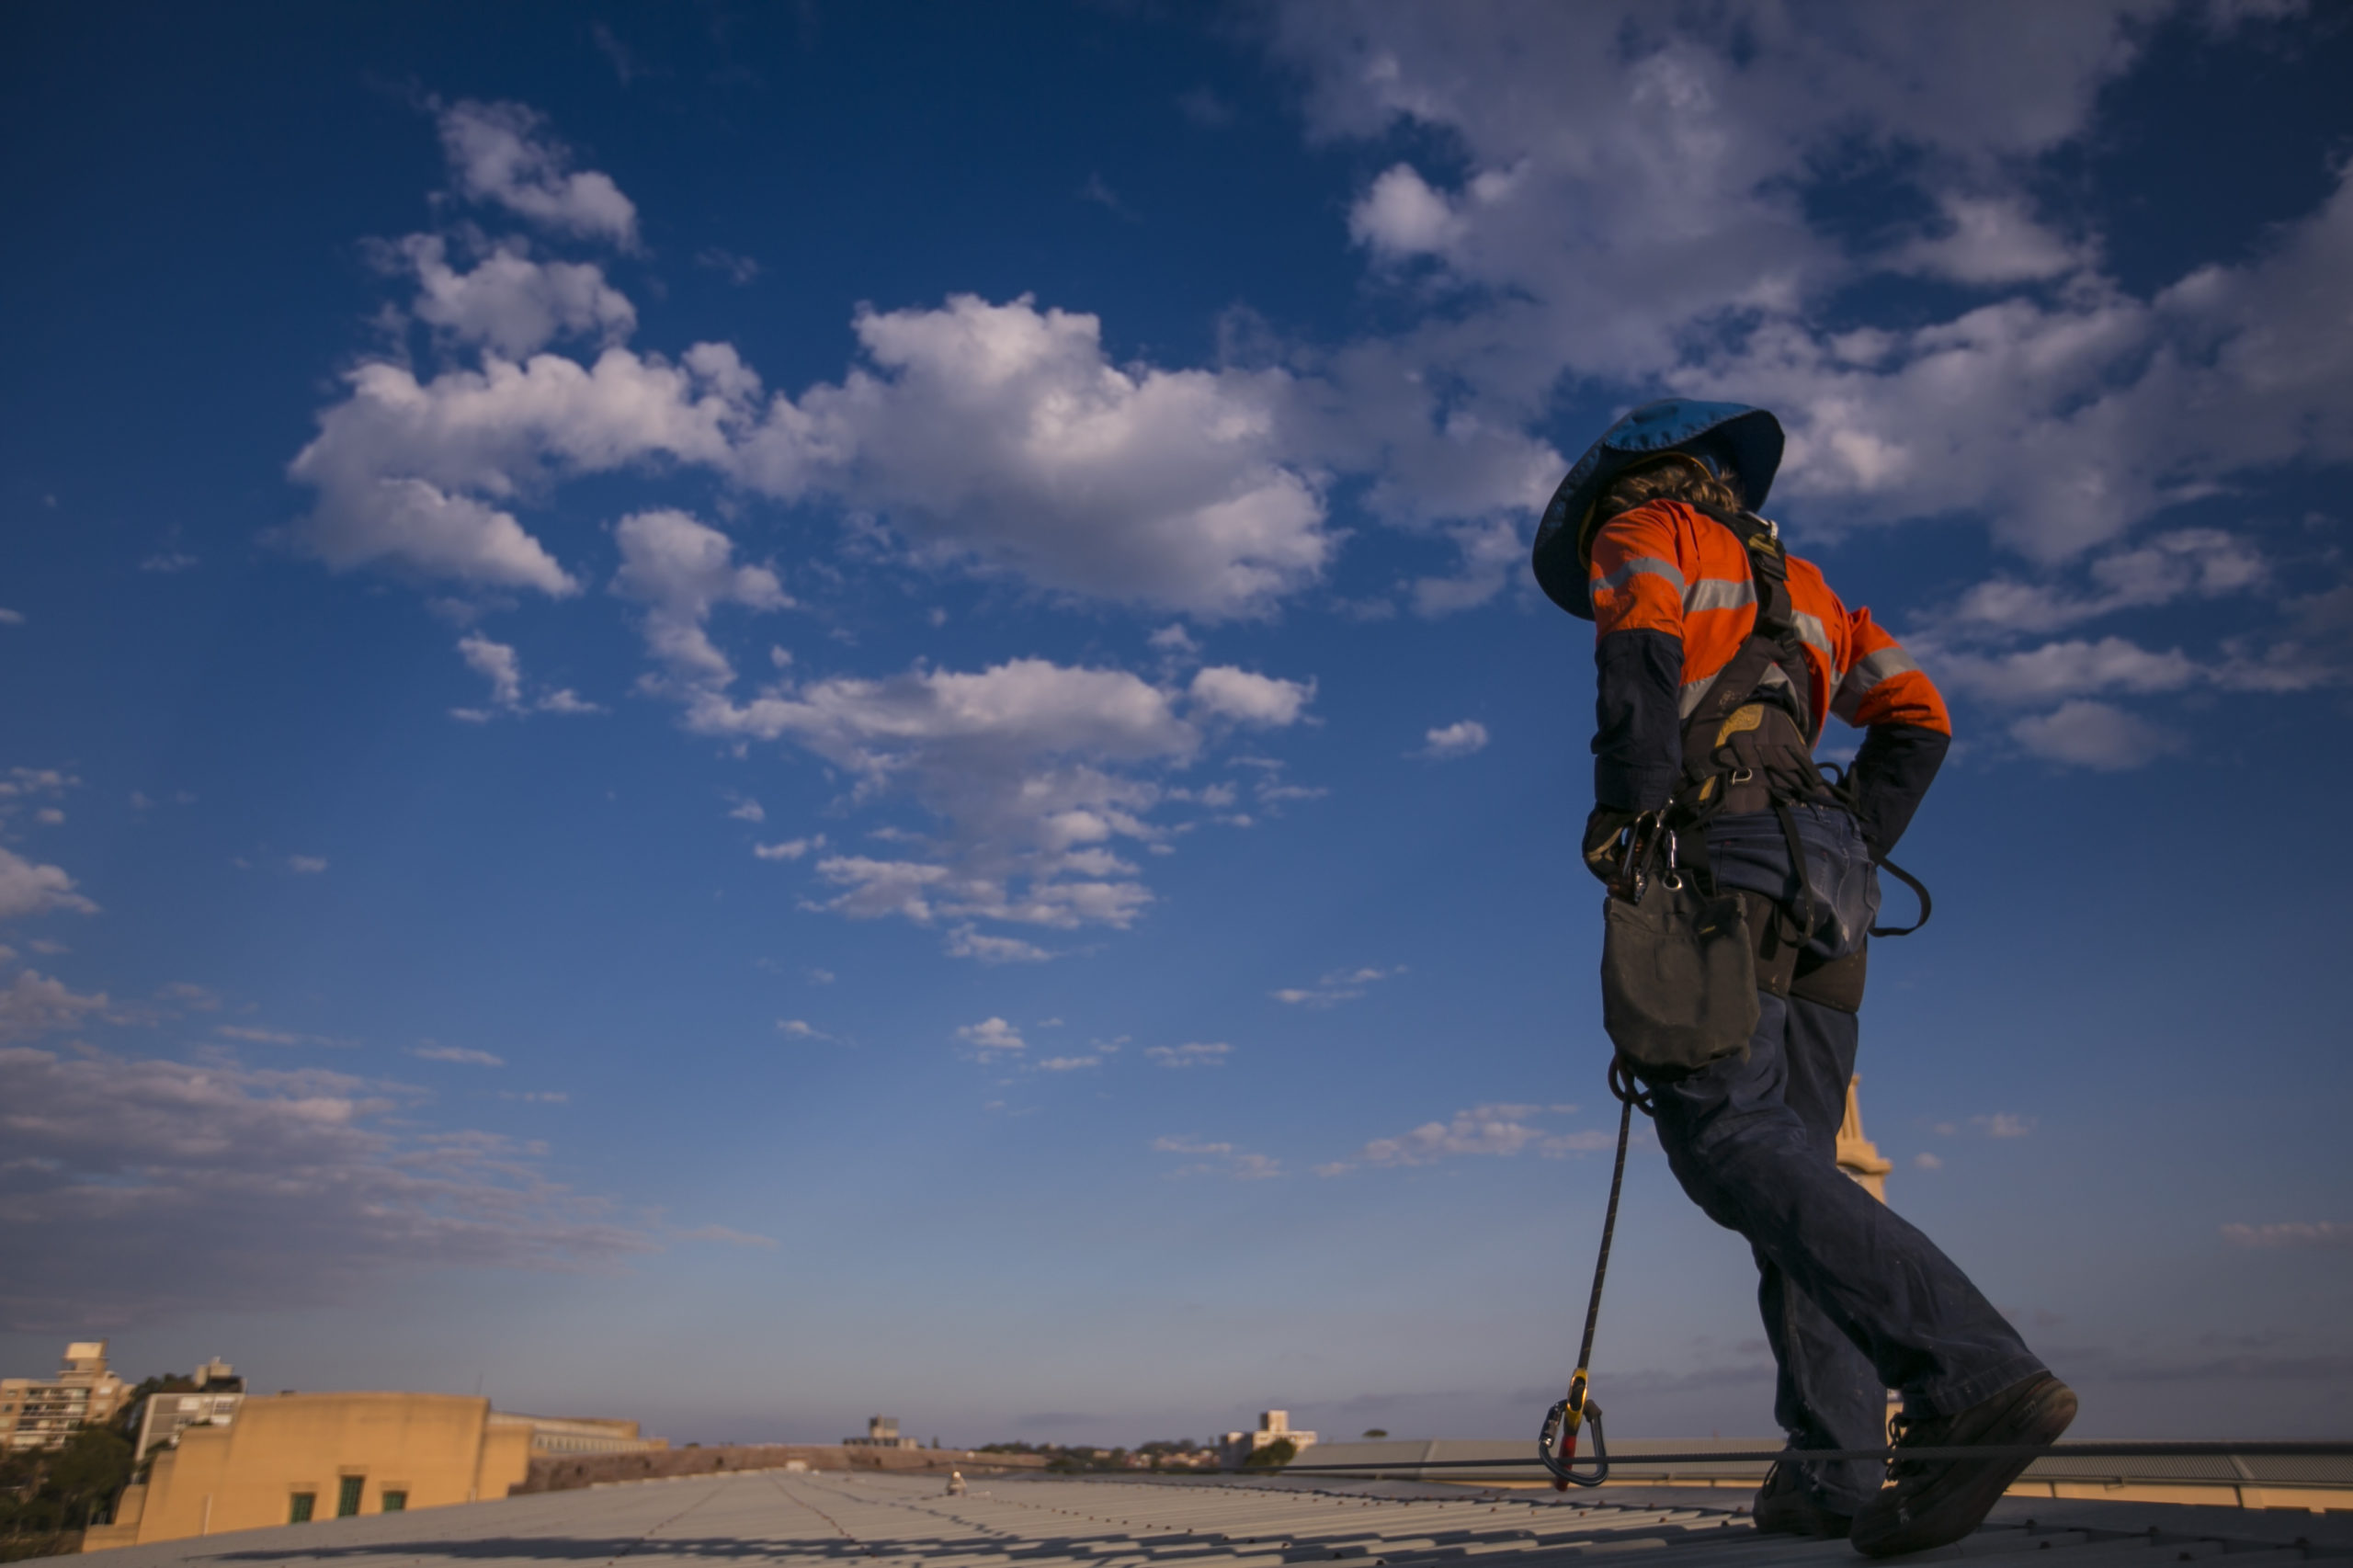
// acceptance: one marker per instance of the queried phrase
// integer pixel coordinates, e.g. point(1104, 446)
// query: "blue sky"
point(747, 715)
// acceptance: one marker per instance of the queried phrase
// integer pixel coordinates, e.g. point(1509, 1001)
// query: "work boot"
point(1786, 1506)
point(1937, 1502)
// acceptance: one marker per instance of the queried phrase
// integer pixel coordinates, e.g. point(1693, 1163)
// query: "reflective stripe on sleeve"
point(1719, 593)
point(1868, 672)
point(1636, 567)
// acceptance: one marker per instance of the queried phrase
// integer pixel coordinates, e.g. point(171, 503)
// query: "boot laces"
point(1905, 1430)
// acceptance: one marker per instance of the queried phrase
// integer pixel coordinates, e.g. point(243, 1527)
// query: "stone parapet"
point(570, 1472)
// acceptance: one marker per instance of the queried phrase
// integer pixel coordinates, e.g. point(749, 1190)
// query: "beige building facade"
point(41, 1412)
point(299, 1457)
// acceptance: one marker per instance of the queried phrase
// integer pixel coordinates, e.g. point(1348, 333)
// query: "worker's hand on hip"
point(1603, 831)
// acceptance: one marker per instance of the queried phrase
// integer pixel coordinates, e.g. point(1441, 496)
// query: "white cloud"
point(2290, 1233)
point(510, 303)
point(968, 942)
point(1500, 1129)
point(29, 889)
point(790, 849)
point(799, 1029)
point(1458, 739)
point(1192, 1054)
point(462, 1055)
point(416, 476)
point(306, 865)
point(500, 154)
point(1067, 1063)
point(1926, 1161)
point(1340, 985)
point(992, 1038)
point(1989, 241)
point(2094, 734)
point(499, 663)
point(1636, 216)
point(1402, 217)
point(1218, 1159)
point(1248, 699)
point(502, 666)
point(748, 810)
point(12, 616)
point(169, 563)
point(2067, 669)
point(2203, 563)
point(1033, 766)
point(33, 1005)
point(680, 569)
point(142, 1187)
point(2003, 1124)
point(1004, 438)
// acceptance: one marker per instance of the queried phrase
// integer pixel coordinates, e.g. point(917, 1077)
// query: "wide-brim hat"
point(1720, 434)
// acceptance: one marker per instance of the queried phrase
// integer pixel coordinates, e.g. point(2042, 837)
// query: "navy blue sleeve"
point(1891, 772)
point(1638, 735)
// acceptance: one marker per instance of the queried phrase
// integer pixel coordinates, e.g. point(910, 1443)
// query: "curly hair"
point(1676, 476)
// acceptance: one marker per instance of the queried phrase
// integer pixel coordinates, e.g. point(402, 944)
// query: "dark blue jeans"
point(1855, 1301)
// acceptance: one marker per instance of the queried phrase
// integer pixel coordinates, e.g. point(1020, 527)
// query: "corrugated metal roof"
point(830, 1518)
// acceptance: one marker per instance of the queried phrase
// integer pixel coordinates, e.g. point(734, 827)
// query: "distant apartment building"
point(1274, 1426)
point(211, 1400)
point(41, 1412)
point(881, 1432)
point(293, 1458)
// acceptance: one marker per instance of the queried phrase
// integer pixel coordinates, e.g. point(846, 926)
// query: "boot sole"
point(1955, 1499)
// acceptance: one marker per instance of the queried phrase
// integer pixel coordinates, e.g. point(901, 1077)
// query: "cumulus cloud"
point(509, 302)
point(2003, 1124)
point(501, 155)
point(306, 865)
point(1458, 739)
point(680, 569)
point(1498, 1129)
point(1039, 771)
point(502, 666)
point(1640, 217)
point(2094, 735)
point(1250, 699)
point(1004, 437)
point(140, 1188)
point(34, 1005)
point(992, 1038)
point(26, 888)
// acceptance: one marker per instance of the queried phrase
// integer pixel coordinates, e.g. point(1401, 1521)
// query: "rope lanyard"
point(1556, 1443)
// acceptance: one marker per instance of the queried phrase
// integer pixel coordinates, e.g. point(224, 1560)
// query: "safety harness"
point(1747, 746)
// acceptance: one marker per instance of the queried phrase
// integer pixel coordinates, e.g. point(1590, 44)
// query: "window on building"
point(300, 1513)
point(396, 1502)
point(347, 1500)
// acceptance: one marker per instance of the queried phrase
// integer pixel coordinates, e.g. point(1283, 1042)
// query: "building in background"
point(1274, 1426)
point(1858, 1156)
point(41, 1412)
point(298, 1457)
point(881, 1432)
point(210, 1399)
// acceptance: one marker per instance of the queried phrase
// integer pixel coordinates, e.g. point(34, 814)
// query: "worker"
point(1653, 536)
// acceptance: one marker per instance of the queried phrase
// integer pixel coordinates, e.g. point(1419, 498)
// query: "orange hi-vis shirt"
point(1666, 568)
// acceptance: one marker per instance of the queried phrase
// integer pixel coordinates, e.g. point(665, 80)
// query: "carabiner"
point(1556, 1443)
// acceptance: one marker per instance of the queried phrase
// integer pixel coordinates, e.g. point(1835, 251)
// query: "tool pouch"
point(1678, 977)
